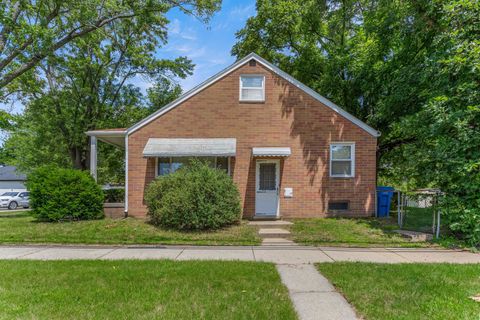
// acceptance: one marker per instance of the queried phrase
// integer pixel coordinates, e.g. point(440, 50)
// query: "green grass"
point(142, 290)
point(368, 232)
point(408, 291)
point(22, 228)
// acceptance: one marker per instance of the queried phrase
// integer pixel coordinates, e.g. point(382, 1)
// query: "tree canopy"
point(89, 85)
point(31, 31)
point(408, 68)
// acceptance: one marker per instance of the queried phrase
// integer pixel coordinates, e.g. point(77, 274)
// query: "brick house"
point(291, 152)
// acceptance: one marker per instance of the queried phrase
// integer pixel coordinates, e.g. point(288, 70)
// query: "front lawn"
point(354, 232)
point(408, 291)
point(142, 290)
point(20, 227)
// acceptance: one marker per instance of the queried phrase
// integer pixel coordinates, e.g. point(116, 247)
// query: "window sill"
point(342, 177)
point(252, 101)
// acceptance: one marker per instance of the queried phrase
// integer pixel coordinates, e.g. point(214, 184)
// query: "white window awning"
point(216, 147)
point(271, 152)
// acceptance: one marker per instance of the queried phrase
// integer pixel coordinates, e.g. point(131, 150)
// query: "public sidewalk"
point(275, 254)
point(313, 295)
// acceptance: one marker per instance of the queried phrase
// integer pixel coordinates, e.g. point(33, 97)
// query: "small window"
point(337, 205)
point(342, 160)
point(252, 88)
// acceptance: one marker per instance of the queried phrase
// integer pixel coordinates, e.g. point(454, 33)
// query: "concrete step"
point(270, 224)
point(274, 233)
point(278, 242)
point(415, 236)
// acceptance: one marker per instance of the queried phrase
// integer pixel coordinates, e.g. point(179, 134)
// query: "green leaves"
point(32, 31)
point(408, 68)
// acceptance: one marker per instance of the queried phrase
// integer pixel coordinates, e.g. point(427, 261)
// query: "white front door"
point(267, 180)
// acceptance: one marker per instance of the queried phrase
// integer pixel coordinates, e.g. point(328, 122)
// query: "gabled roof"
point(271, 67)
point(9, 173)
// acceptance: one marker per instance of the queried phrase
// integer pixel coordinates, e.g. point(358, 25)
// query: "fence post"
point(398, 209)
point(437, 233)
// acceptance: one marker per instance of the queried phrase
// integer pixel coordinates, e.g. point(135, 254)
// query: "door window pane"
point(267, 179)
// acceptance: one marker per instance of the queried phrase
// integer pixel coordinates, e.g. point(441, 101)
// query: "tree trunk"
point(78, 161)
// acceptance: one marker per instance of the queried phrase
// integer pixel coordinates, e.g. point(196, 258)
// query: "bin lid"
point(381, 188)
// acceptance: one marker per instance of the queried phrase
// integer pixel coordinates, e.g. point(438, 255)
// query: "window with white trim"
point(342, 160)
point(166, 165)
point(252, 88)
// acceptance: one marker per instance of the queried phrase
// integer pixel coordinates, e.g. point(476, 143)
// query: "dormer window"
point(252, 88)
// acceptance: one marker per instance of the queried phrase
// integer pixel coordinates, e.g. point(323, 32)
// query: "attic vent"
point(252, 63)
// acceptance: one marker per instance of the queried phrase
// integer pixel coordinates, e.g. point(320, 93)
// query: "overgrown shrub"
point(64, 194)
point(196, 197)
point(463, 218)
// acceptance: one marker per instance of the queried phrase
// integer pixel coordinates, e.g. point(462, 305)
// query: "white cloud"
point(174, 26)
point(242, 11)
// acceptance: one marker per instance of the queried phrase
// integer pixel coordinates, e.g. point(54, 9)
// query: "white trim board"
point(271, 67)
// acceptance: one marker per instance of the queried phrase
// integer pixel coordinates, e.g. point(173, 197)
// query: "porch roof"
point(213, 147)
point(115, 137)
point(271, 152)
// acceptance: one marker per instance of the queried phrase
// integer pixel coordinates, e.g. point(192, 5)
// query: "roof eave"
point(106, 133)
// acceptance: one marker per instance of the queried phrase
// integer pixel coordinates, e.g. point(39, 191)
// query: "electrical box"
point(288, 193)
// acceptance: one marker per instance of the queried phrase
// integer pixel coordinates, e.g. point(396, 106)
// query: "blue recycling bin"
point(384, 198)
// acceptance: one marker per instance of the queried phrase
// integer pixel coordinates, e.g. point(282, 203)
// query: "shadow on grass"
point(362, 232)
point(14, 215)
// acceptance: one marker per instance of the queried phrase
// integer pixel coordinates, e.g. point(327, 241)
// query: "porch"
point(168, 154)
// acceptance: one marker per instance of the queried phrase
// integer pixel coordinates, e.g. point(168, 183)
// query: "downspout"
point(126, 174)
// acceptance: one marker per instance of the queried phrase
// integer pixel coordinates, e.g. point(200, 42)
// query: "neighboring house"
point(11, 179)
point(291, 152)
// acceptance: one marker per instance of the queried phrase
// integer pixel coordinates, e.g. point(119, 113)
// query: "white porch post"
point(93, 157)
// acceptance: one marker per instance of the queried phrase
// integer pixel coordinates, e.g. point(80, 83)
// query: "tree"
point(161, 93)
point(446, 151)
point(363, 55)
point(31, 31)
point(408, 68)
point(88, 87)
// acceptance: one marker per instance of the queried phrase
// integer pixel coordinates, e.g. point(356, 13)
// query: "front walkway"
point(275, 254)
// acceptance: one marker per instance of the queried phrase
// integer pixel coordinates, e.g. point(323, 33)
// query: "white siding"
point(6, 186)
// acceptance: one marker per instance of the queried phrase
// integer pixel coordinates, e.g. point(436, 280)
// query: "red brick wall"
point(288, 118)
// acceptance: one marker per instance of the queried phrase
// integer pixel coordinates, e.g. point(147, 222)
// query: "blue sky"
point(207, 45)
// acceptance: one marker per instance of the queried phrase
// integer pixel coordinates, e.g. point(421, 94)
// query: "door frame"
point(257, 183)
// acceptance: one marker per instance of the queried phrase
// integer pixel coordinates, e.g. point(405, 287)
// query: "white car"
point(14, 199)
